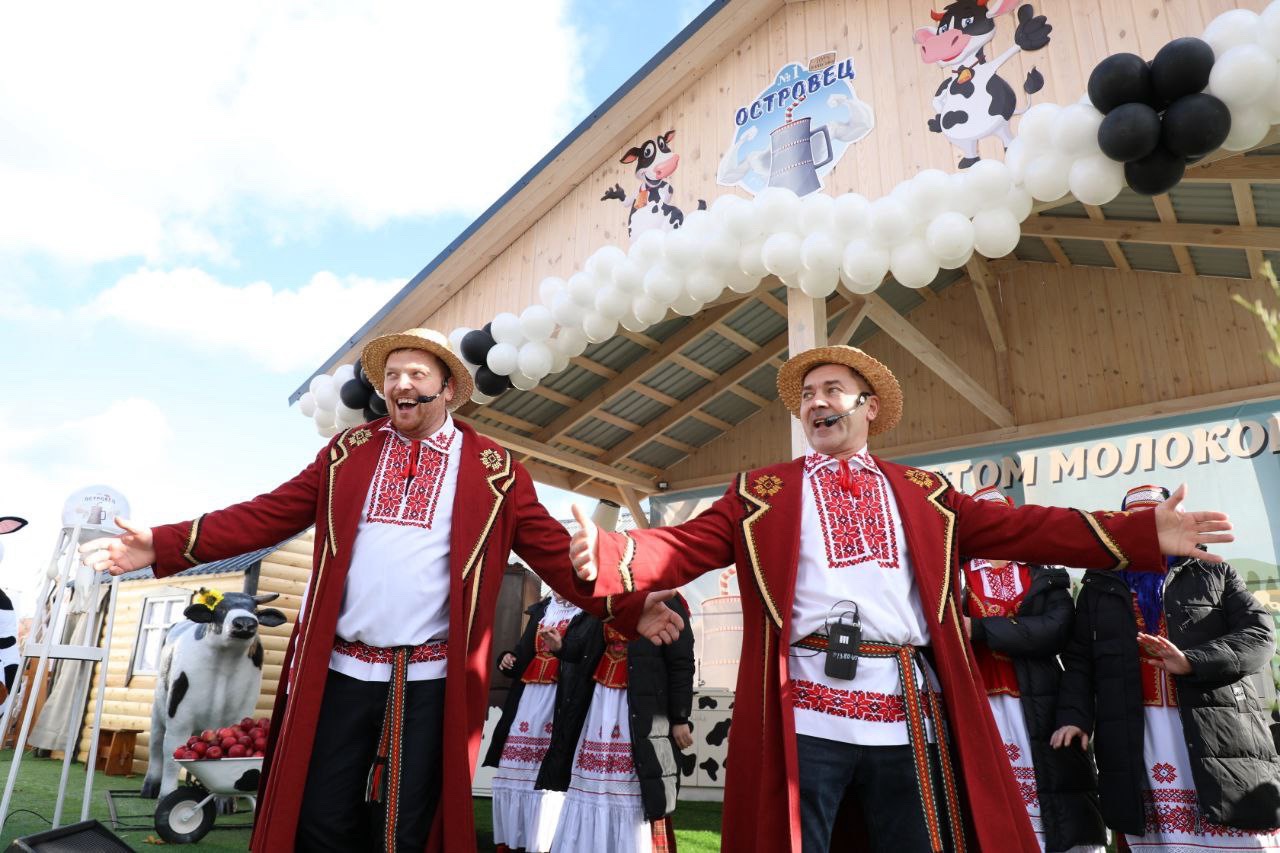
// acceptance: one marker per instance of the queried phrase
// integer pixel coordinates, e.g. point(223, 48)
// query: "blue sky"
point(197, 205)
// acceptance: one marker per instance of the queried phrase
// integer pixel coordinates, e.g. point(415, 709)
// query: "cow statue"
point(651, 206)
point(974, 101)
point(210, 674)
point(10, 658)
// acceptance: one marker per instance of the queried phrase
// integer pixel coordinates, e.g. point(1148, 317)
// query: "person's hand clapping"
point(132, 550)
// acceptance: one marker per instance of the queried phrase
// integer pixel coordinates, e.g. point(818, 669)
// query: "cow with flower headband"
point(10, 659)
point(210, 675)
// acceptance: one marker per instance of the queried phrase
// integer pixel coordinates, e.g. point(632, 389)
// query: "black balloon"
point(354, 394)
point(1122, 78)
point(1181, 68)
point(1156, 173)
point(360, 375)
point(476, 345)
point(1195, 125)
point(370, 414)
point(1129, 132)
point(489, 383)
point(377, 405)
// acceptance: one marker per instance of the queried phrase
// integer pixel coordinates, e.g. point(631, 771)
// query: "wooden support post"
point(632, 503)
point(806, 329)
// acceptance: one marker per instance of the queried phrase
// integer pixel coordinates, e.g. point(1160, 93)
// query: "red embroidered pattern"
point(397, 500)
point(524, 725)
point(603, 757)
point(1026, 779)
point(611, 671)
point(425, 653)
point(1164, 773)
point(1002, 583)
point(1012, 750)
point(1176, 810)
point(545, 666)
point(526, 750)
point(855, 530)
point(1158, 687)
point(853, 704)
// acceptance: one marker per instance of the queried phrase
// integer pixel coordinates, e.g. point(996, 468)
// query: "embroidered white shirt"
point(853, 549)
point(397, 588)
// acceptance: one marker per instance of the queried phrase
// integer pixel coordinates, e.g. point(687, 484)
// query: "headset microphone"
point(832, 420)
point(428, 399)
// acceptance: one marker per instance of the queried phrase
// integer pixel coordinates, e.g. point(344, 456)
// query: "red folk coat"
point(757, 526)
point(495, 511)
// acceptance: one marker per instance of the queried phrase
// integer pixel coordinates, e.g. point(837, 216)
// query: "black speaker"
point(86, 837)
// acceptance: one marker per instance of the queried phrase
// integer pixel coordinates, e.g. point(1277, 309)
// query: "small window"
point(158, 614)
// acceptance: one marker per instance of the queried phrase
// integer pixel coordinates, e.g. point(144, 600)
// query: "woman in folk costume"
point(525, 818)
point(622, 776)
point(1165, 671)
point(1019, 617)
point(843, 524)
point(10, 657)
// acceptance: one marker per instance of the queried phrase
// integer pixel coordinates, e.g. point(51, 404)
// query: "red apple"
point(245, 740)
point(257, 753)
point(264, 722)
point(208, 736)
point(237, 751)
point(246, 723)
point(193, 740)
point(213, 752)
point(179, 752)
point(226, 732)
point(199, 748)
point(260, 744)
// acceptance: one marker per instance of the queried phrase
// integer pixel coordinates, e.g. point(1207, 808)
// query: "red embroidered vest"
point(1158, 688)
point(1008, 587)
point(612, 669)
point(545, 666)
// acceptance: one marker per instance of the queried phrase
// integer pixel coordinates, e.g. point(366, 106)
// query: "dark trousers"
point(881, 778)
point(335, 816)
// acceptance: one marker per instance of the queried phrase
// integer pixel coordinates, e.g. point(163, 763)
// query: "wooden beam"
point(772, 302)
point(501, 417)
point(653, 393)
point(590, 366)
point(711, 420)
point(1113, 248)
point(849, 323)
point(749, 395)
point(521, 444)
point(1184, 234)
point(692, 366)
point(673, 443)
point(614, 420)
point(636, 371)
point(1242, 194)
point(1164, 209)
point(806, 329)
point(632, 502)
point(555, 396)
point(897, 327)
point(1055, 251)
point(985, 284)
point(735, 337)
point(1259, 169)
point(639, 338)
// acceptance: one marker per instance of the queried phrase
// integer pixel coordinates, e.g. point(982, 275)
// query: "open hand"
point(1180, 532)
point(682, 734)
point(507, 662)
point(583, 545)
point(133, 550)
point(1161, 653)
point(1063, 737)
point(659, 623)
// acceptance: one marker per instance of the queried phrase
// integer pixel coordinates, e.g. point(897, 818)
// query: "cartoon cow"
point(10, 659)
point(651, 205)
point(210, 674)
point(975, 102)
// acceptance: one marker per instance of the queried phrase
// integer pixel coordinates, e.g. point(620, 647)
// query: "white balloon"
point(536, 322)
point(582, 288)
point(686, 305)
point(1230, 29)
point(913, 265)
point(777, 208)
point(502, 358)
point(1036, 126)
point(1047, 175)
point(864, 265)
point(852, 214)
point(571, 341)
point(327, 431)
point(1248, 127)
point(534, 360)
point(995, 232)
point(647, 311)
point(819, 252)
point(929, 193)
point(1075, 130)
point(325, 418)
point(559, 361)
point(1271, 101)
point(990, 181)
point(326, 393)
point(523, 383)
point(817, 211)
point(891, 221)
point(661, 285)
point(1019, 202)
point(781, 253)
point(631, 322)
point(704, 285)
point(505, 328)
point(549, 287)
point(343, 373)
point(739, 217)
point(628, 277)
point(681, 249)
point(598, 328)
point(1242, 75)
point(1016, 157)
point(950, 235)
point(965, 198)
point(345, 417)
point(602, 262)
point(646, 249)
point(819, 283)
point(750, 259)
point(307, 404)
point(1269, 30)
point(480, 398)
point(954, 263)
point(720, 250)
point(1096, 180)
point(611, 303)
point(456, 336)
point(565, 311)
point(740, 282)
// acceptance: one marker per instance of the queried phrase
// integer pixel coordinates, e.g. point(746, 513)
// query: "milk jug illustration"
point(792, 164)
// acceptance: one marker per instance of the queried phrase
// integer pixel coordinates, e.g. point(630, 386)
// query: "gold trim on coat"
point(948, 542)
point(1107, 540)
point(334, 461)
point(475, 562)
point(194, 533)
point(761, 507)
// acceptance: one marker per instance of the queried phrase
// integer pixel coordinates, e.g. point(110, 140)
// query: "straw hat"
point(883, 383)
point(1144, 497)
point(374, 359)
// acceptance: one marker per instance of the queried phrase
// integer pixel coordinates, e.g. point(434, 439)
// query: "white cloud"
point(153, 115)
point(286, 330)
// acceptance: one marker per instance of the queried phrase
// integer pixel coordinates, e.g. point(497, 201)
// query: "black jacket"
point(1065, 779)
point(659, 694)
point(1229, 638)
point(524, 652)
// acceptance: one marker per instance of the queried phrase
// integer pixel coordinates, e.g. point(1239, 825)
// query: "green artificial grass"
point(697, 824)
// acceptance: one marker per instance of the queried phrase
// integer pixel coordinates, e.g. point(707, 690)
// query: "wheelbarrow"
point(186, 814)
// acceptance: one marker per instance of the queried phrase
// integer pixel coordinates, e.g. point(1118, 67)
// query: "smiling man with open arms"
point(851, 625)
point(415, 516)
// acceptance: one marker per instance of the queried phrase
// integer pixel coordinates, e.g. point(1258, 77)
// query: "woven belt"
point(383, 785)
point(431, 650)
point(917, 704)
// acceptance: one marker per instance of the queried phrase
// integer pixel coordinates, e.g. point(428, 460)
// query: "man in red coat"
point(414, 516)
point(854, 658)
